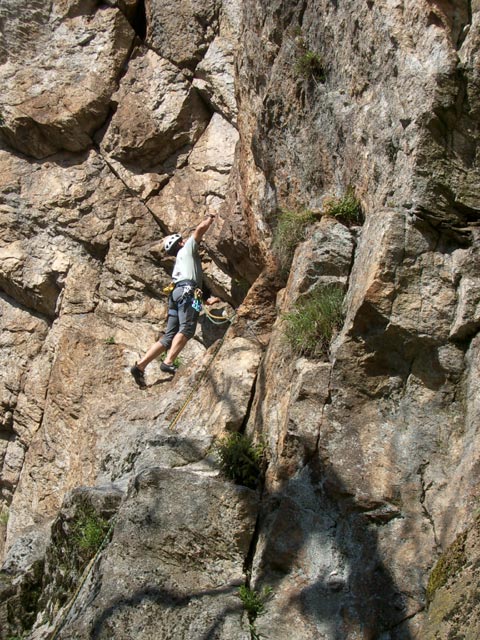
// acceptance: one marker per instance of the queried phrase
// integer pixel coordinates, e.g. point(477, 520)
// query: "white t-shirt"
point(188, 265)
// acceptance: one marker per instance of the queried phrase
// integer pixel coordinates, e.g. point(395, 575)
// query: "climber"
point(183, 304)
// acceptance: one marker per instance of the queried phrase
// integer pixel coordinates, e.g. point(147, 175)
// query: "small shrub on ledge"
point(309, 64)
point(240, 459)
point(310, 326)
point(254, 605)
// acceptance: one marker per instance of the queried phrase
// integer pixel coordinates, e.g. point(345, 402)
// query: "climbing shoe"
point(138, 376)
point(168, 368)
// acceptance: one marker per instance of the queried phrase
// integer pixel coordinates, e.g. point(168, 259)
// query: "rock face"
point(182, 32)
point(125, 121)
point(58, 77)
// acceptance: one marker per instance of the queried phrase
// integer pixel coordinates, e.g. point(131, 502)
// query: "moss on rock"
point(448, 565)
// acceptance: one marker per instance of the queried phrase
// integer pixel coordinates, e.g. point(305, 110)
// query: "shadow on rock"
point(166, 599)
point(322, 556)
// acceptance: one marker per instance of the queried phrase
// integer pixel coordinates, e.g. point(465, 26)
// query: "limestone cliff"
point(126, 120)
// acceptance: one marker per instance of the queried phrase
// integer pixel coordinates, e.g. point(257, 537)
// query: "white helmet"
point(170, 241)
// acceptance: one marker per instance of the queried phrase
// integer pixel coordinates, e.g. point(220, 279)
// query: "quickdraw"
point(197, 300)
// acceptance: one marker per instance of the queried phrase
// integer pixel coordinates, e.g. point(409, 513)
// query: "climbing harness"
point(197, 301)
point(60, 624)
point(187, 292)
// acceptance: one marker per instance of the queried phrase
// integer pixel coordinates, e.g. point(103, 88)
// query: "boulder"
point(214, 78)
point(201, 186)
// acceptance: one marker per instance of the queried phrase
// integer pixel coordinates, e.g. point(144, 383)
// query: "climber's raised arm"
point(203, 227)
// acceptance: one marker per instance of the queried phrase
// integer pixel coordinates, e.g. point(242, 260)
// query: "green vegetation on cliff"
point(254, 604)
point(448, 565)
point(346, 209)
point(310, 326)
point(289, 232)
point(89, 530)
point(240, 459)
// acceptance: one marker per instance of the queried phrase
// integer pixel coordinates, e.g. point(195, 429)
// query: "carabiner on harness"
point(169, 288)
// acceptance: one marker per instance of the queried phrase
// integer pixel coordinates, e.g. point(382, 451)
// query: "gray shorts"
point(182, 317)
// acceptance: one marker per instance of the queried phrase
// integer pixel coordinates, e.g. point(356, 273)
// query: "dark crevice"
point(19, 305)
point(34, 301)
point(248, 410)
point(465, 28)
point(302, 10)
point(249, 559)
point(248, 564)
point(139, 20)
point(314, 455)
point(461, 233)
point(406, 619)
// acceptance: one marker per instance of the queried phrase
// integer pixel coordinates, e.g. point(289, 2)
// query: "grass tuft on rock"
point(310, 326)
point(310, 65)
point(254, 604)
point(346, 209)
point(4, 515)
point(289, 232)
point(253, 601)
point(240, 459)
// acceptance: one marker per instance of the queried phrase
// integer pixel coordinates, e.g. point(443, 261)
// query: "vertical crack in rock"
point(248, 410)
point(249, 559)
point(302, 10)
point(352, 261)
point(328, 401)
point(425, 488)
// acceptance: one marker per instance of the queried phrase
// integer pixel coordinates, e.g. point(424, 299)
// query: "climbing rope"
point(85, 575)
point(218, 319)
point(200, 379)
